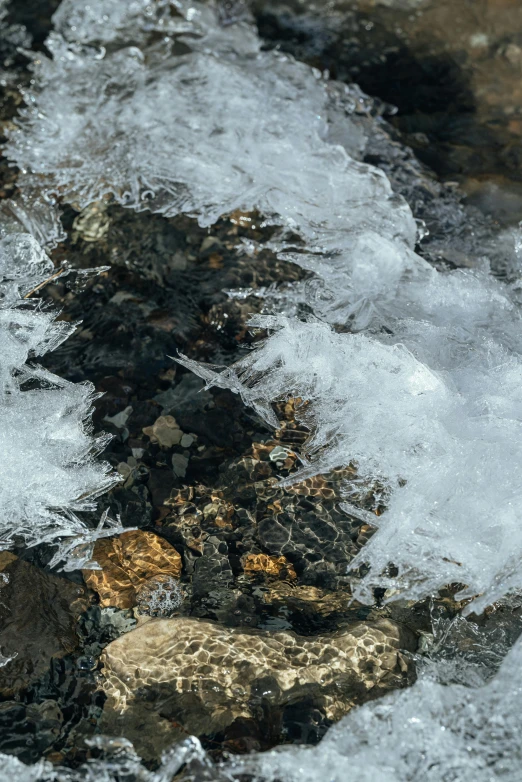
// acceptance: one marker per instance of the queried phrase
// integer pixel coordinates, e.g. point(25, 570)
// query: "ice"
point(182, 132)
point(47, 450)
point(114, 22)
point(428, 400)
point(159, 106)
point(434, 418)
point(431, 732)
point(118, 761)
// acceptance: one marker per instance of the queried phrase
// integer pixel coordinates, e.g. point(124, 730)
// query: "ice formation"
point(118, 762)
point(159, 107)
point(47, 451)
point(430, 732)
point(428, 401)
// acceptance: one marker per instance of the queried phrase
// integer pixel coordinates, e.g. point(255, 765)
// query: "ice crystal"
point(182, 132)
point(161, 107)
point(47, 448)
point(118, 762)
point(428, 402)
point(432, 412)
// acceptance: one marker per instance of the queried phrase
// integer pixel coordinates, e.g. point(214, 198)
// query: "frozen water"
point(433, 412)
point(430, 732)
point(113, 22)
point(183, 133)
point(159, 107)
point(118, 762)
point(429, 400)
point(46, 446)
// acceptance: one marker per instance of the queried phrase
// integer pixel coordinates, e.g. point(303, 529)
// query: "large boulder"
point(170, 677)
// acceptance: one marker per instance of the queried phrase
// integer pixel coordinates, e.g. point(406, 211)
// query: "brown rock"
point(38, 612)
point(127, 562)
point(170, 677)
point(308, 600)
point(269, 564)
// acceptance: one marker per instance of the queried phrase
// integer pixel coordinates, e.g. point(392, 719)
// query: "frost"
point(435, 419)
point(183, 133)
point(159, 106)
point(102, 22)
point(118, 762)
point(47, 450)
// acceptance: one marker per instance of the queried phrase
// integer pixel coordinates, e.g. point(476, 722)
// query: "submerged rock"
point(170, 677)
point(127, 563)
point(38, 612)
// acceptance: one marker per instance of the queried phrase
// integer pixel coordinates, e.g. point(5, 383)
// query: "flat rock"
point(170, 677)
point(38, 612)
point(127, 562)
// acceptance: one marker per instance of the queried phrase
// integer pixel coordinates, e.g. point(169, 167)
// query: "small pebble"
point(179, 465)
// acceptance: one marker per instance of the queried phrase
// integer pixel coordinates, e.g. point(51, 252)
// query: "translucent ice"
point(432, 413)
point(46, 446)
point(429, 732)
point(118, 762)
point(180, 130)
point(429, 400)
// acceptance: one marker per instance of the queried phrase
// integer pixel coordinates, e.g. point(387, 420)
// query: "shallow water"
point(264, 567)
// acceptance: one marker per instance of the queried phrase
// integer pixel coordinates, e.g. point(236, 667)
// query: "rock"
point(37, 621)
point(27, 730)
point(92, 223)
point(270, 565)
point(179, 465)
point(164, 431)
point(170, 677)
point(186, 441)
point(127, 563)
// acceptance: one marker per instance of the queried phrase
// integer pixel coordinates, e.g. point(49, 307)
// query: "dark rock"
point(38, 614)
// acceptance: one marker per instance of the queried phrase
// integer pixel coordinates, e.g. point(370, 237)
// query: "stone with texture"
point(173, 676)
point(37, 621)
point(127, 563)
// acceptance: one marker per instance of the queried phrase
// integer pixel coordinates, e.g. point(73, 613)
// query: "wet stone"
point(164, 431)
point(127, 563)
point(38, 613)
point(270, 565)
point(27, 730)
point(170, 677)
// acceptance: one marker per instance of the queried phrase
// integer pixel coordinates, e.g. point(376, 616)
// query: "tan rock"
point(173, 676)
point(164, 431)
point(127, 563)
